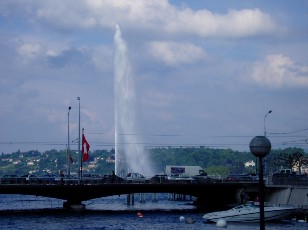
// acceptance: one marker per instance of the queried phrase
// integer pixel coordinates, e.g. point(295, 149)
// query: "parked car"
point(180, 177)
point(136, 177)
point(112, 179)
point(48, 178)
point(30, 178)
point(159, 178)
point(89, 175)
point(285, 173)
point(89, 178)
point(204, 179)
point(239, 178)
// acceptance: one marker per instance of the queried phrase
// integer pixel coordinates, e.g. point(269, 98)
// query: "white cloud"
point(155, 15)
point(176, 53)
point(236, 23)
point(278, 71)
point(30, 51)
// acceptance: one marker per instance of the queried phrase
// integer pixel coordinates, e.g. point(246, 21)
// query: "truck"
point(185, 170)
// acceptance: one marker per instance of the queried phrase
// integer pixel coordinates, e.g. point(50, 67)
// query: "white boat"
point(249, 213)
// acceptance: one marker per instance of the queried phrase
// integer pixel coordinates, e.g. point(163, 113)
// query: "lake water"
point(30, 212)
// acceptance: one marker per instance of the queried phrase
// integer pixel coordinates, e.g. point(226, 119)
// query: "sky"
point(205, 72)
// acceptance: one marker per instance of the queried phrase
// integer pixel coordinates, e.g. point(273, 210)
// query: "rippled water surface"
point(30, 212)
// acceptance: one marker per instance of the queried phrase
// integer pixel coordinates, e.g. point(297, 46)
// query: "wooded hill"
point(214, 161)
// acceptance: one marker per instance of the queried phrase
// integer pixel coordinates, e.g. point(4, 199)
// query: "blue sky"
point(205, 72)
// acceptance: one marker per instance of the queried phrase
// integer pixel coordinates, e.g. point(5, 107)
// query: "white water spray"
point(130, 154)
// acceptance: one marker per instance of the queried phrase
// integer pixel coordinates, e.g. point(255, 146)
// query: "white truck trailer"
point(185, 170)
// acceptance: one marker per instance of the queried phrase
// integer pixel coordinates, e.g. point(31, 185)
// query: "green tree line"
point(214, 161)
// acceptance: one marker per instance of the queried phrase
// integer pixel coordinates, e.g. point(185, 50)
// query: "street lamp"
point(265, 160)
point(79, 154)
point(264, 121)
point(260, 147)
point(68, 142)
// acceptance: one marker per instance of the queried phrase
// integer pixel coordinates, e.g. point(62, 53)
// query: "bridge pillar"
point(142, 198)
point(128, 199)
point(74, 205)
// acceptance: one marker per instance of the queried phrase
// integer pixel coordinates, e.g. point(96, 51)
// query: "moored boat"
point(249, 213)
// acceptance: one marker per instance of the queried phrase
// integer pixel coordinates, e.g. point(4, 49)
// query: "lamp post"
point(260, 147)
point(264, 121)
point(79, 154)
point(68, 142)
point(265, 160)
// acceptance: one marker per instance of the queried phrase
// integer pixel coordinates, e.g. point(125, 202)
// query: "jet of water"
point(130, 154)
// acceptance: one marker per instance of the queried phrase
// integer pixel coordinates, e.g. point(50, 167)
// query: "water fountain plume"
point(130, 154)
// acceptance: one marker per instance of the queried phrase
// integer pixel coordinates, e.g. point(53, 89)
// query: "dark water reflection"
point(30, 212)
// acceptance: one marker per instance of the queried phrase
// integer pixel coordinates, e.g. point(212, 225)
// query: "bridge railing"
point(288, 180)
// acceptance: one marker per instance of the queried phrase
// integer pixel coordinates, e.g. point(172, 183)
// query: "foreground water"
point(30, 212)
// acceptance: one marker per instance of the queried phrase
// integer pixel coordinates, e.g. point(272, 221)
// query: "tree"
point(292, 159)
point(301, 160)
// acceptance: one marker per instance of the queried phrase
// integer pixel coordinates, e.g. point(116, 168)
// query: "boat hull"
point(253, 215)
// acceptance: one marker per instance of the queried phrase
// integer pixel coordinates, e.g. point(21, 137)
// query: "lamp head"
point(260, 146)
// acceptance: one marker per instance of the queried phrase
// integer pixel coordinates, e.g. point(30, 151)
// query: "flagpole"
point(66, 157)
point(82, 153)
point(68, 143)
point(79, 153)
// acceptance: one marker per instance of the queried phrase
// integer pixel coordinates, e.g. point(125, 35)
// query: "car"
point(239, 178)
point(159, 178)
point(173, 176)
point(180, 177)
point(48, 178)
point(284, 173)
point(30, 178)
point(136, 177)
point(112, 179)
point(204, 179)
point(89, 178)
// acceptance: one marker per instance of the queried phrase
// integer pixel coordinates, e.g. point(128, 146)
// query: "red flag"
point(85, 149)
point(71, 159)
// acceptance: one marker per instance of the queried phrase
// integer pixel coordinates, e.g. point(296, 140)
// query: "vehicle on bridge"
point(180, 178)
point(48, 179)
point(185, 170)
point(205, 179)
point(285, 172)
point(159, 178)
point(241, 178)
point(89, 178)
point(30, 178)
point(112, 179)
point(136, 177)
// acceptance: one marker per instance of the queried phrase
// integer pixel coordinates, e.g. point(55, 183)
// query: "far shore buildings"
point(250, 163)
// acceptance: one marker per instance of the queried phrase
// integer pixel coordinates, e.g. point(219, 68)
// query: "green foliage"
point(204, 157)
point(291, 157)
point(214, 161)
point(217, 171)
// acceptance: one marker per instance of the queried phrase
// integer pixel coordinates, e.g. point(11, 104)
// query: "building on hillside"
point(250, 163)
